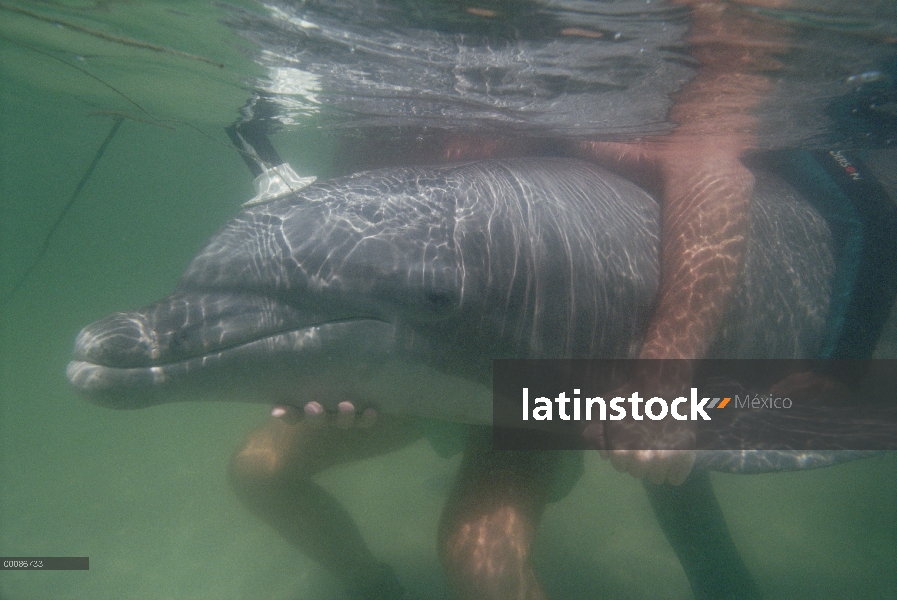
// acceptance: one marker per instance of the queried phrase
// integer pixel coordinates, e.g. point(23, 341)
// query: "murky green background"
point(144, 494)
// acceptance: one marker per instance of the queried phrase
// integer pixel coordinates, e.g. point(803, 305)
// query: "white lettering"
point(526, 404)
point(663, 409)
point(674, 412)
point(543, 413)
point(634, 400)
point(562, 401)
point(619, 410)
point(602, 412)
point(698, 407)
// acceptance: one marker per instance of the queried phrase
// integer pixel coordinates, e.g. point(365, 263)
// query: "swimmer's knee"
point(248, 474)
point(488, 556)
point(265, 459)
point(499, 534)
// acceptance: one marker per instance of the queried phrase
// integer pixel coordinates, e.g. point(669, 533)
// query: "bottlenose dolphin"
point(395, 288)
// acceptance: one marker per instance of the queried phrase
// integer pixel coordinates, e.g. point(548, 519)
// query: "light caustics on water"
point(395, 289)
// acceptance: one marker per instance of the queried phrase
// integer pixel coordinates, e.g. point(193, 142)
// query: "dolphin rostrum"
point(395, 288)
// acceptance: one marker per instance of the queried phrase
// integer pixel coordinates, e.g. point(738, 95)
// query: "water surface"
point(143, 494)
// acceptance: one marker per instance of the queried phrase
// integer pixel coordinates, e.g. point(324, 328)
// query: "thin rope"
point(49, 237)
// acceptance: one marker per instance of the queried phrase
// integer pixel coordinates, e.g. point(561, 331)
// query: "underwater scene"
point(257, 257)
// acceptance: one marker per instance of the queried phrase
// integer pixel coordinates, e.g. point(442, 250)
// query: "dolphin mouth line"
point(281, 361)
point(222, 351)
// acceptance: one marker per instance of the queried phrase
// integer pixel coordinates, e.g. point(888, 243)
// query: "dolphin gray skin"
point(395, 288)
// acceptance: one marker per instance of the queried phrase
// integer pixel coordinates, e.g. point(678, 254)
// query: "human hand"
point(808, 388)
point(657, 465)
point(661, 451)
point(346, 416)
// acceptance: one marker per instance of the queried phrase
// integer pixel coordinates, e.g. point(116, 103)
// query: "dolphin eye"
point(439, 300)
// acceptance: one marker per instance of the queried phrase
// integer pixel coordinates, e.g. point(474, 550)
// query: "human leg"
point(272, 474)
point(490, 519)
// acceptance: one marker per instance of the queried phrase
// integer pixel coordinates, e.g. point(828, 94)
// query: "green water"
point(144, 494)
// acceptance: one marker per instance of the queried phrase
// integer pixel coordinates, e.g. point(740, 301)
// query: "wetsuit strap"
point(863, 221)
point(875, 282)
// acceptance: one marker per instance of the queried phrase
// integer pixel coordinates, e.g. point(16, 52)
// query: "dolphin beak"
point(241, 346)
point(184, 326)
point(119, 340)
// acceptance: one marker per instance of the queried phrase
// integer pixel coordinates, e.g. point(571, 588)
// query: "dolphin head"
point(392, 289)
point(310, 298)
